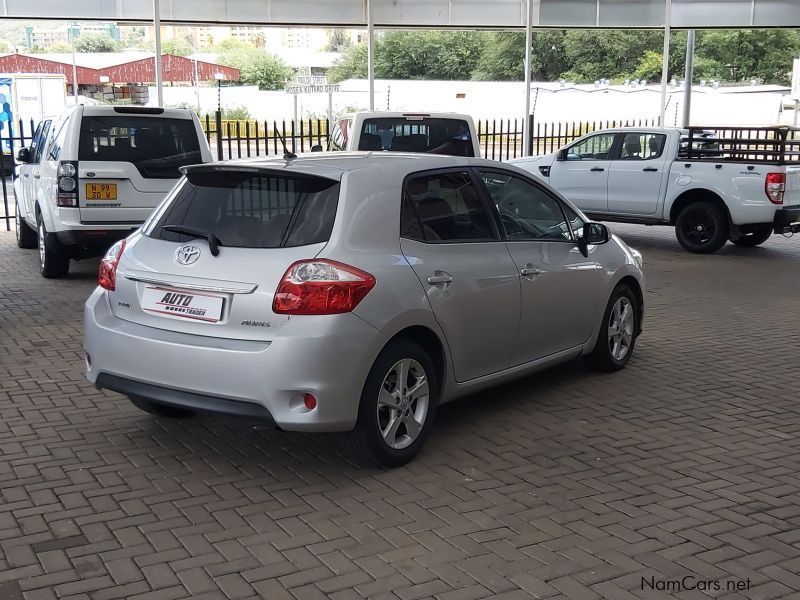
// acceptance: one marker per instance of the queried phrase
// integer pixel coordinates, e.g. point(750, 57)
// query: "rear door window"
point(445, 207)
point(157, 147)
point(252, 209)
point(417, 134)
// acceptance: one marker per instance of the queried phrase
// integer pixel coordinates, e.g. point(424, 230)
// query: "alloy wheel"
point(403, 403)
point(41, 243)
point(620, 328)
point(699, 227)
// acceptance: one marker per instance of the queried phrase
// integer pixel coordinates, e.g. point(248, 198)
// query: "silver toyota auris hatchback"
point(355, 292)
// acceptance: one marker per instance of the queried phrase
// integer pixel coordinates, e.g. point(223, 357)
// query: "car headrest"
point(410, 143)
point(370, 141)
point(655, 144)
point(633, 146)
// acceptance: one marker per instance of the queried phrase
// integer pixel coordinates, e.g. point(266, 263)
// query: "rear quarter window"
point(252, 209)
point(157, 147)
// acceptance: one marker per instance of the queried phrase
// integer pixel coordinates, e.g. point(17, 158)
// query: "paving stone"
point(568, 484)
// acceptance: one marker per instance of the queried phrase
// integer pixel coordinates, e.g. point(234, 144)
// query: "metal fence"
point(13, 135)
point(499, 139)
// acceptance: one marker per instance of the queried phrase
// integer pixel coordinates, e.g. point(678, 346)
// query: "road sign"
point(326, 88)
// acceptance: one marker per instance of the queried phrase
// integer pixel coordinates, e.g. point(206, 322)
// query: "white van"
point(94, 174)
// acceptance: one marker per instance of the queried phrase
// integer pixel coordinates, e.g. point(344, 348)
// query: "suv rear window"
point(157, 147)
point(246, 209)
point(417, 134)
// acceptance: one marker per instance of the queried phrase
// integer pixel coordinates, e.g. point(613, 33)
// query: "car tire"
point(382, 435)
point(52, 265)
point(756, 237)
point(26, 237)
point(617, 337)
point(702, 227)
point(160, 410)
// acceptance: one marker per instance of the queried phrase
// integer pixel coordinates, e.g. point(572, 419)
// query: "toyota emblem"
point(187, 255)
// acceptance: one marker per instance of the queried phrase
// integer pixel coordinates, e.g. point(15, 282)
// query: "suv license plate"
point(101, 191)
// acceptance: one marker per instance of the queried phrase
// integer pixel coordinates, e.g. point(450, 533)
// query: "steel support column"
point(688, 79)
point(526, 121)
point(665, 61)
point(371, 54)
point(157, 26)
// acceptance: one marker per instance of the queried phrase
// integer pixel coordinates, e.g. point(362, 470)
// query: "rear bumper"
point(254, 379)
point(787, 220)
point(83, 243)
point(183, 399)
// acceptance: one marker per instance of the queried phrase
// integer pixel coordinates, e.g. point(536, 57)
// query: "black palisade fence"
point(500, 139)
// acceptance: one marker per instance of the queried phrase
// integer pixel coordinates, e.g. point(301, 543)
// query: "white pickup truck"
point(711, 184)
point(434, 133)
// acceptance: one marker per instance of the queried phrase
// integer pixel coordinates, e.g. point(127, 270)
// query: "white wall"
point(500, 100)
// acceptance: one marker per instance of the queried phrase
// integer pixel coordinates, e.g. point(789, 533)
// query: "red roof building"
point(117, 67)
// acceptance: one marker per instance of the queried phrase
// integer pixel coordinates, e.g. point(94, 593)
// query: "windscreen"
point(157, 147)
point(417, 134)
point(252, 209)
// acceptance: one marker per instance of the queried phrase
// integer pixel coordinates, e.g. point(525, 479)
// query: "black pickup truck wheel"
point(756, 237)
point(702, 227)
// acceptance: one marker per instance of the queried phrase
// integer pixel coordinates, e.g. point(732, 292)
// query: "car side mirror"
point(316, 148)
point(24, 155)
point(593, 234)
point(562, 154)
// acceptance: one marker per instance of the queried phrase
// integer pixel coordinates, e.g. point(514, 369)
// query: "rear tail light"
point(67, 184)
point(775, 187)
point(107, 272)
point(321, 287)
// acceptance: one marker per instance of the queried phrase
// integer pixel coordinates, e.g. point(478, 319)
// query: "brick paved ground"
point(566, 485)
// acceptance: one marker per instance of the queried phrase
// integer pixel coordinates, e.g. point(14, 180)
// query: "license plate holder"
point(182, 304)
point(101, 191)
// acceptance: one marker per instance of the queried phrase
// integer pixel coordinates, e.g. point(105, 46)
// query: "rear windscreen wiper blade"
point(213, 241)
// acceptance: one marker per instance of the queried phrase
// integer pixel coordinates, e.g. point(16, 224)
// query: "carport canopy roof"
point(426, 13)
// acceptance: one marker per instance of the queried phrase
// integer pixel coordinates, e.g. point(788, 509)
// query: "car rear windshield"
point(417, 134)
point(156, 146)
point(252, 209)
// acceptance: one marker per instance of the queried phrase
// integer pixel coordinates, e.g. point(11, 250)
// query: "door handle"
point(597, 169)
point(530, 271)
point(650, 170)
point(440, 277)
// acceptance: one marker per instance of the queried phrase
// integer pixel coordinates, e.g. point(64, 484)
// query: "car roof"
point(333, 165)
point(646, 129)
point(395, 114)
point(135, 111)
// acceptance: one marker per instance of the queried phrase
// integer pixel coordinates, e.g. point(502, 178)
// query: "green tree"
point(95, 42)
point(352, 65)
point(266, 71)
point(606, 54)
point(446, 55)
point(503, 58)
point(177, 47)
point(755, 54)
point(338, 41)
point(60, 47)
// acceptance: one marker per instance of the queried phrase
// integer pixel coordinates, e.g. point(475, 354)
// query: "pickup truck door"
point(637, 177)
point(581, 171)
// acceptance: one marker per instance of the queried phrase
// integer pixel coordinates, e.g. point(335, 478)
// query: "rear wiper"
point(213, 241)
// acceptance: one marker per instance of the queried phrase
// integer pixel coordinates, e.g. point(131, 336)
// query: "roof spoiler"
point(139, 110)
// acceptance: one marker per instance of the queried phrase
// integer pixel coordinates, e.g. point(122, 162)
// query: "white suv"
point(94, 174)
